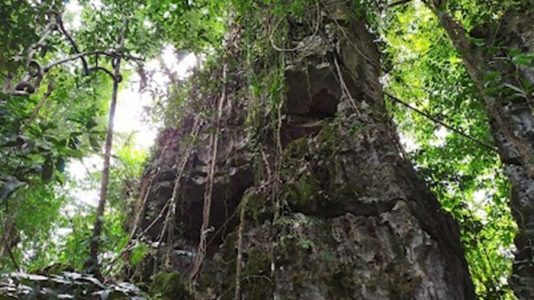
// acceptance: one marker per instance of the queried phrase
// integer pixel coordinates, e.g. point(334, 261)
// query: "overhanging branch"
point(89, 53)
point(435, 120)
point(398, 3)
point(30, 82)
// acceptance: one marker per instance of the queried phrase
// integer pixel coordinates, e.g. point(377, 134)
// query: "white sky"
point(131, 103)
point(73, 10)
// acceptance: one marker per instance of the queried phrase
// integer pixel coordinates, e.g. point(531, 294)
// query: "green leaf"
point(138, 253)
point(524, 59)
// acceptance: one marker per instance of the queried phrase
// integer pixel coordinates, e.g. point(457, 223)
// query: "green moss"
point(328, 139)
point(256, 280)
point(401, 282)
point(228, 247)
point(258, 262)
point(328, 256)
point(306, 188)
point(303, 192)
point(169, 286)
point(256, 206)
point(296, 149)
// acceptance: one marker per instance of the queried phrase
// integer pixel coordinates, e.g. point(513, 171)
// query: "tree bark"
point(501, 85)
point(349, 218)
point(92, 264)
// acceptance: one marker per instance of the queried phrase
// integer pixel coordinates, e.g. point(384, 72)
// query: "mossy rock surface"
point(169, 286)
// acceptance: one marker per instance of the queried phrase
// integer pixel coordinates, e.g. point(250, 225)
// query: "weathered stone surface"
point(353, 219)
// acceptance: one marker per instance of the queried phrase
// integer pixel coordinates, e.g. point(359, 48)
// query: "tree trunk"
point(92, 264)
point(327, 206)
point(504, 87)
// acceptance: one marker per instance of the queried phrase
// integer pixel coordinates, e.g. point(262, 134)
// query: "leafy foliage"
point(39, 134)
point(426, 71)
point(19, 17)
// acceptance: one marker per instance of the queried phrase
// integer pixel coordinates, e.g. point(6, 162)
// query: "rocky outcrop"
point(63, 285)
point(312, 198)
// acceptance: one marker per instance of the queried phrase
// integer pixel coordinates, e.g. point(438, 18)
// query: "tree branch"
point(435, 120)
point(398, 3)
point(31, 81)
point(84, 54)
point(71, 41)
point(41, 103)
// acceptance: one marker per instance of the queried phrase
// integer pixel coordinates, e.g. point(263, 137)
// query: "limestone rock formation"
point(311, 195)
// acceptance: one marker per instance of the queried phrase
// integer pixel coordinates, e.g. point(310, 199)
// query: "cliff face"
point(309, 196)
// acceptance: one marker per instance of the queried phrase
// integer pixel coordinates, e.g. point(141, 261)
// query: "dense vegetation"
point(61, 120)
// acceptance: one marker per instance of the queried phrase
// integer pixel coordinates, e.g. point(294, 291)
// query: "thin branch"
point(7, 243)
point(73, 44)
point(108, 72)
point(13, 259)
point(171, 213)
point(31, 81)
point(435, 120)
point(204, 230)
point(41, 104)
point(140, 211)
point(239, 260)
point(168, 72)
point(84, 54)
point(397, 3)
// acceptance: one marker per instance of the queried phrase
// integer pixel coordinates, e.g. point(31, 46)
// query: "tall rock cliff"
point(285, 177)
